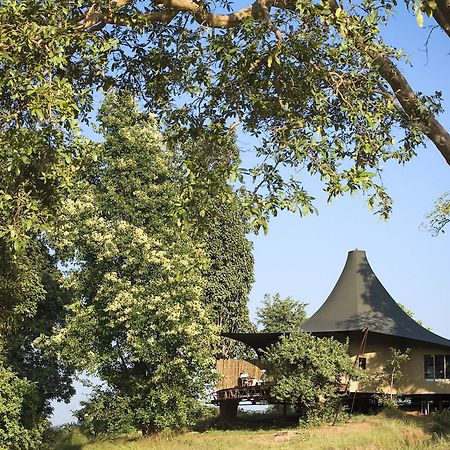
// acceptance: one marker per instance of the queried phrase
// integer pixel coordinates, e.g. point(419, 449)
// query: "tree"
point(219, 222)
point(138, 321)
point(394, 366)
point(392, 376)
point(230, 273)
point(32, 302)
point(307, 371)
point(280, 315)
point(313, 81)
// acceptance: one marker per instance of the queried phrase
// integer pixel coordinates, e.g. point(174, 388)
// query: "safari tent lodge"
point(360, 309)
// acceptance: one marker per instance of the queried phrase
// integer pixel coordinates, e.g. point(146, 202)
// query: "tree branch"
point(431, 127)
point(442, 15)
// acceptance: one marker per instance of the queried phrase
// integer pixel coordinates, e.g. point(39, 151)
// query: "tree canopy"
point(138, 321)
point(312, 81)
point(280, 314)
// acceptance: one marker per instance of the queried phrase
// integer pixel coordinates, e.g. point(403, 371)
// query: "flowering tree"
point(138, 322)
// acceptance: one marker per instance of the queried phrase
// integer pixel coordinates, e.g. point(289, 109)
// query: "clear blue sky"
point(303, 257)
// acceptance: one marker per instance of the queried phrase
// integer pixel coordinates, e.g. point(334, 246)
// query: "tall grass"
point(365, 433)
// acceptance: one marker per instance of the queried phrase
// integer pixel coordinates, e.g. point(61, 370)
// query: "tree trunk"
point(147, 429)
point(228, 410)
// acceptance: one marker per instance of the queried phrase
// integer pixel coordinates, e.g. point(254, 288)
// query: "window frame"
point(428, 363)
point(362, 362)
point(435, 365)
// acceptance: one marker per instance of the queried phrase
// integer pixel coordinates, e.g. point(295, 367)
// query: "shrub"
point(106, 413)
point(441, 422)
point(21, 426)
point(306, 371)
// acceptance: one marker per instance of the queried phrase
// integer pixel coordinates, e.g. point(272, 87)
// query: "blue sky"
point(303, 257)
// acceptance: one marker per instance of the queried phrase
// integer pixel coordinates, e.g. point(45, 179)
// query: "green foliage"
point(324, 414)
point(278, 315)
point(391, 375)
point(307, 371)
point(441, 422)
point(230, 273)
point(440, 216)
point(139, 321)
point(32, 303)
point(219, 223)
point(394, 365)
point(21, 424)
point(314, 99)
point(105, 414)
point(41, 103)
point(65, 437)
point(47, 74)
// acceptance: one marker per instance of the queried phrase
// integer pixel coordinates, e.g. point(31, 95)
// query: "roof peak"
point(359, 300)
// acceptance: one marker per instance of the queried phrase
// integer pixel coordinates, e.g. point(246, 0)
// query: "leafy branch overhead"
point(312, 82)
point(288, 19)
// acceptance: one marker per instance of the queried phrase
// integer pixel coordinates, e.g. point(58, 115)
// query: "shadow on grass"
point(69, 447)
point(425, 423)
point(249, 421)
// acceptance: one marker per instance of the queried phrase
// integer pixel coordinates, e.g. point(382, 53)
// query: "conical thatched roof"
point(359, 300)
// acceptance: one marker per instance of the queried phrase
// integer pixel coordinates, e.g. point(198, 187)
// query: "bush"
point(64, 437)
point(441, 422)
point(21, 427)
point(306, 371)
point(324, 413)
point(386, 401)
point(106, 413)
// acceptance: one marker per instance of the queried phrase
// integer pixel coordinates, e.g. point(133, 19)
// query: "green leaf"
point(419, 18)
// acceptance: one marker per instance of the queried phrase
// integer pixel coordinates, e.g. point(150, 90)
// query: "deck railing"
point(249, 393)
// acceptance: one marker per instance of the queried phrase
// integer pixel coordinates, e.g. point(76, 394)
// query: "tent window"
point(439, 367)
point(362, 363)
point(429, 367)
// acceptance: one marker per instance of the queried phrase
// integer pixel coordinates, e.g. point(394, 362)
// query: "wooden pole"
point(228, 410)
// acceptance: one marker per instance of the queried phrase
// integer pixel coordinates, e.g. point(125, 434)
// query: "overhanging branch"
point(259, 10)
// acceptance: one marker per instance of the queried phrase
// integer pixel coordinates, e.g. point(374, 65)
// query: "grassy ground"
point(364, 432)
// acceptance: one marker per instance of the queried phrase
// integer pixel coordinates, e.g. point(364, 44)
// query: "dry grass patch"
point(365, 433)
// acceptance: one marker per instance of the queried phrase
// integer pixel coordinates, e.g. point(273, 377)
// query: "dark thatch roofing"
point(257, 341)
point(358, 301)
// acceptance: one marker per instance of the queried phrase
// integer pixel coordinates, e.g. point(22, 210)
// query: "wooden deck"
point(254, 394)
